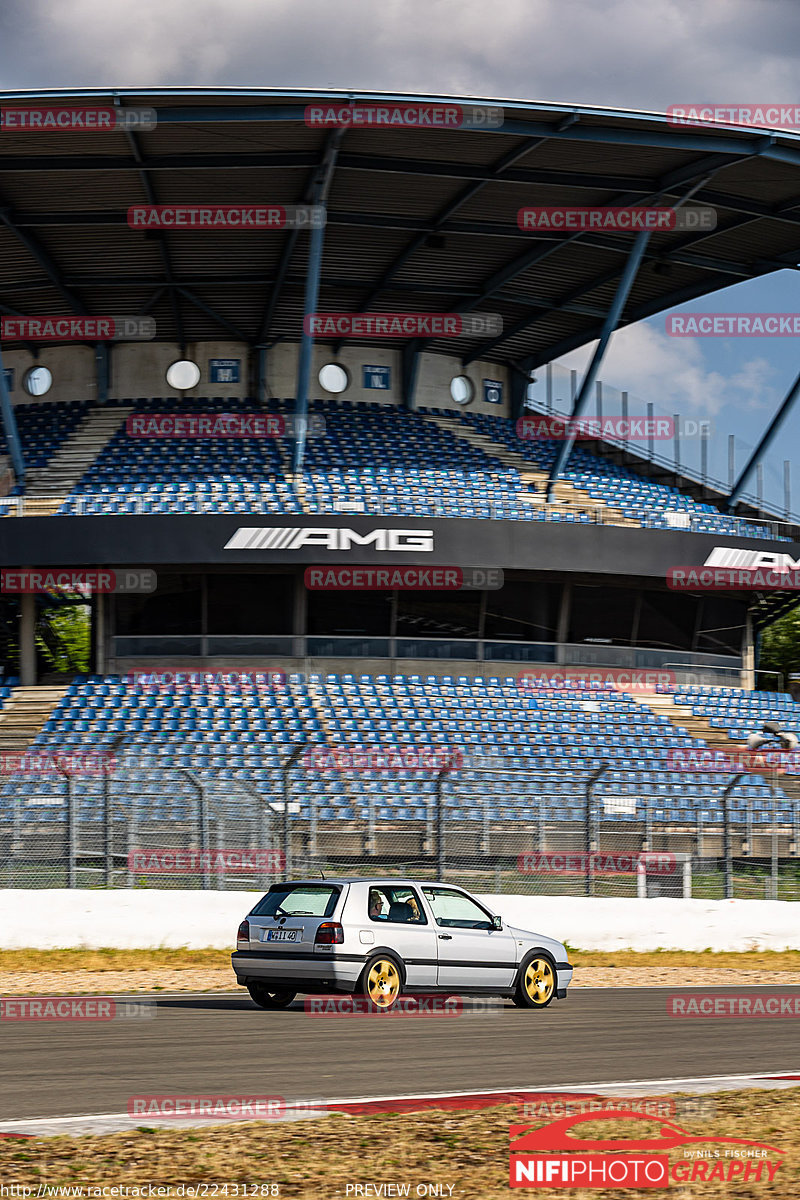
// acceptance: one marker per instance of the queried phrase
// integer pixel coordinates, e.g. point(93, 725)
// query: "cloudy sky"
point(622, 53)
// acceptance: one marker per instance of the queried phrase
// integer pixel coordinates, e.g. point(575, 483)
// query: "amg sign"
point(297, 537)
point(751, 560)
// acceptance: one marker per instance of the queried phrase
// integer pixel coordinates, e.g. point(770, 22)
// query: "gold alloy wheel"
point(383, 983)
point(540, 980)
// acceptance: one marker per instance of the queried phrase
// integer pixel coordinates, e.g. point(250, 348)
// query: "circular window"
point(37, 381)
point(183, 375)
point(333, 378)
point(462, 389)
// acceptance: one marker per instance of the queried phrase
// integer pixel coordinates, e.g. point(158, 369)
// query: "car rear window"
point(310, 900)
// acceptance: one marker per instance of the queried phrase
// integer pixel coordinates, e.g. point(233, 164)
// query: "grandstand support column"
point(27, 639)
point(10, 429)
point(562, 631)
point(99, 614)
point(307, 347)
point(519, 391)
point(609, 325)
point(102, 366)
point(261, 374)
point(299, 617)
point(319, 196)
point(767, 438)
point(409, 371)
point(748, 676)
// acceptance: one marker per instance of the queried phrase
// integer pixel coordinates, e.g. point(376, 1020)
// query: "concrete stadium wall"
point(139, 368)
point(152, 918)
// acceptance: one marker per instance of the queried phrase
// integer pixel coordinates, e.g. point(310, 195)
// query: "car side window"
point(395, 905)
point(454, 910)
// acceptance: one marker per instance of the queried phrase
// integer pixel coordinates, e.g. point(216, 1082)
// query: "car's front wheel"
point(382, 982)
point(536, 982)
point(265, 998)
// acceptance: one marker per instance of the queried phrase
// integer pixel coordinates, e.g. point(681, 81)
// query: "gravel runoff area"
point(207, 979)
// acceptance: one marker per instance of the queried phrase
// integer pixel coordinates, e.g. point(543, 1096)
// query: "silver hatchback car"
point(379, 938)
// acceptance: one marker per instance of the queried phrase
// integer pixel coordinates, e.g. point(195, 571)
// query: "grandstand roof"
point(420, 220)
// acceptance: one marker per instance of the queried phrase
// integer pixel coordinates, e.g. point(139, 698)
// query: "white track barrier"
point(149, 919)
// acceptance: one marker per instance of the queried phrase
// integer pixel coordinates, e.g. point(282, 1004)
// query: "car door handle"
point(445, 937)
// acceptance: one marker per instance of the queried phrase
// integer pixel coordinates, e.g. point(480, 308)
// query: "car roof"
point(377, 881)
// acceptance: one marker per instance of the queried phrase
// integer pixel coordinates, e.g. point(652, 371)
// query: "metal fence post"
point(202, 816)
point(133, 830)
point(369, 847)
point(485, 826)
point(440, 846)
point(698, 824)
point(72, 835)
point(16, 838)
point(312, 823)
point(220, 840)
point(726, 828)
point(287, 819)
point(648, 825)
point(108, 863)
point(589, 839)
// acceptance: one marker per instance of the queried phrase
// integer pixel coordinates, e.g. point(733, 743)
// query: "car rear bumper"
point(263, 966)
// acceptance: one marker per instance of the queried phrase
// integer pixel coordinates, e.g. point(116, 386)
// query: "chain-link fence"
point(180, 829)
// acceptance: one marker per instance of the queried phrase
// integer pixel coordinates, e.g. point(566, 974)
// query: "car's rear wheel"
point(382, 982)
point(264, 997)
point(536, 982)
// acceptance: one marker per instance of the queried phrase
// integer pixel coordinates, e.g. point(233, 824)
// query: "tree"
point(780, 644)
point(63, 637)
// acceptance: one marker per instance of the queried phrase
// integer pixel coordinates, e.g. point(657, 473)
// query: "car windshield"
point(298, 900)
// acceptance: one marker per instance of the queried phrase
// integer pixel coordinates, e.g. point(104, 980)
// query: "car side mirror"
point(497, 922)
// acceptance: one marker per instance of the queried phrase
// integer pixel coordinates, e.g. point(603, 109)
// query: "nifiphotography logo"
point(631, 1161)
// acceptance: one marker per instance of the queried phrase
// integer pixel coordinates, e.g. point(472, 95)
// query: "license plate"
point(282, 935)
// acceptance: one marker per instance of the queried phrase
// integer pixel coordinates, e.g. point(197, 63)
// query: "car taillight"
point(330, 933)
point(243, 932)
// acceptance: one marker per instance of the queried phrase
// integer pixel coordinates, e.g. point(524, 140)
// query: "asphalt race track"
point(222, 1044)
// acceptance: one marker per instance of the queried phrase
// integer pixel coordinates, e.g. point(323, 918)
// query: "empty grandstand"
point(251, 675)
